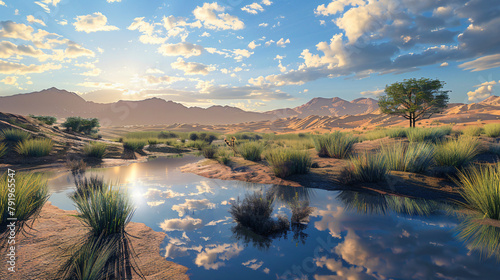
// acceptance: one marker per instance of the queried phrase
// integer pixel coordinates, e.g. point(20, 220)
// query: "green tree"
point(78, 124)
point(414, 99)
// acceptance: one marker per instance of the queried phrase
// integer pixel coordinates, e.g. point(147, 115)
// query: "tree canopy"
point(414, 99)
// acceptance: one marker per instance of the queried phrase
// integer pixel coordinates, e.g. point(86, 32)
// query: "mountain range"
point(157, 111)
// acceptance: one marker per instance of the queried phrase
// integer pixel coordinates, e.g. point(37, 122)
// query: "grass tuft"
point(414, 157)
point(434, 134)
point(3, 149)
point(14, 135)
point(95, 150)
point(251, 150)
point(135, 145)
point(209, 151)
point(396, 132)
point(34, 147)
point(335, 145)
point(365, 168)
point(492, 129)
point(472, 130)
point(457, 152)
point(286, 162)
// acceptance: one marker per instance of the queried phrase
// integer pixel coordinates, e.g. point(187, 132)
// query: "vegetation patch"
point(457, 152)
point(286, 162)
point(82, 125)
point(335, 145)
point(14, 135)
point(433, 134)
point(251, 150)
point(34, 147)
point(365, 168)
point(472, 130)
point(413, 157)
point(49, 120)
point(135, 145)
point(209, 151)
point(492, 130)
point(3, 149)
point(95, 150)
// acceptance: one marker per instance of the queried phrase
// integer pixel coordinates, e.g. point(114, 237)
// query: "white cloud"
point(10, 80)
point(268, 43)
point(253, 264)
point(21, 69)
point(184, 49)
point(62, 22)
point(93, 23)
point(16, 30)
point(253, 8)
point(211, 20)
point(282, 43)
point(100, 50)
point(45, 4)
point(264, 24)
point(192, 204)
point(205, 34)
point(156, 194)
point(186, 224)
point(113, 1)
point(240, 53)
point(94, 72)
point(444, 64)
point(482, 63)
point(32, 19)
point(375, 93)
point(154, 71)
point(337, 6)
point(2, 3)
point(483, 91)
point(162, 79)
point(214, 255)
point(252, 45)
point(191, 68)
point(266, 2)
point(8, 49)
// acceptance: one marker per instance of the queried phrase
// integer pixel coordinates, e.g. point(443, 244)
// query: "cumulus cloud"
point(113, 1)
point(154, 71)
point(93, 23)
point(148, 31)
point(337, 6)
point(482, 63)
point(21, 69)
point(191, 68)
point(192, 204)
point(10, 80)
point(213, 256)
point(16, 30)
point(253, 8)
point(8, 49)
point(213, 17)
point(482, 91)
point(162, 79)
point(186, 224)
point(253, 264)
point(184, 49)
point(156, 193)
point(94, 72)
point(252, 45)
point(32, 19)
point(282, 42)
point(240, 53)
point(264, 24)
point(375, 93)
point(2, 3)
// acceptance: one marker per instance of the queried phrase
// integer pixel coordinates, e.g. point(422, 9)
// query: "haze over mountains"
point(318, 112)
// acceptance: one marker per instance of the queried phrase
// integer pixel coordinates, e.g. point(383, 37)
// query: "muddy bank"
point(39, 252)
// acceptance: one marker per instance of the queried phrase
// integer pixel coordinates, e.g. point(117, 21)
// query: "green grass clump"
point(134, 144)
point(30, 194)
point(285, 162)
point(196, 144)
point(396, 132)
point(492, 129)
point(434, 134)
point(472, 130)
point(3, 149)
point(49, 120)
point(251, 150)
point(480, 188)
point(14, 135)
point(457, 152)
point(414, 157)
point(95, 150)
point(224, 156)
point(209, 151)
point(34, 147)
point(366, 168)
point(375, 134)
point(335, 145)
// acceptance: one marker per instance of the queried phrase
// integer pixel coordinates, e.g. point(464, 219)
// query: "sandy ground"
point(41, 249)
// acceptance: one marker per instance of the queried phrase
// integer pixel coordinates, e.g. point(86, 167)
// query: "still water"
point(350, 235)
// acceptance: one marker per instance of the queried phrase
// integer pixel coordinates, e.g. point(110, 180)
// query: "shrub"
point(209, 151)
point(134, 144)
point(45, 119)
point(335, 145)
point(251, 150)
point(366, 168)
point(95, 150)
point(196, 144)
point(167, 135)
point(152, 141)
point(76, 166)
point(78, 124)
point(492, 129)
point(414, 157)
point(458, 152)
point(3, 149)
point(300, 210)
point(472, 130)
point(31, 193)
point(396, 132)
point(14, 135)
point(34, 147)
point(224, 156)
point(193, 136)
point(480, 189)
point(434, 134)
point(286, 162)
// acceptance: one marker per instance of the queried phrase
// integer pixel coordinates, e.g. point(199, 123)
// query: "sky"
point(255, 55)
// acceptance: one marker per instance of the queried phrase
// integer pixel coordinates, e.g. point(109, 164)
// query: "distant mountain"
point(63, 104)
point(332, 107)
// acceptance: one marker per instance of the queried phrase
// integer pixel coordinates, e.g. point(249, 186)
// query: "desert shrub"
point(167, 135)
point(479, 186)
point(457, 152)
point(300, 210)
point(224, 156)
point(492, 129)
point(196, 144)
point(335, 145)
point(14, 135)
point(209, 151)
point(82, 125)
point(433, 134)
point(45, 119)
point(34, 147)
point(414, 157)
point(76, 166)
point(153, 141)
point(396, 132)
point(251, 136)
point(3, 149)
point(472, 130)
point(30, 194)
point(85, 186)
point(286, 162)
point(365, 168)
point(251, 150)
point(134, 144)
point(95, 150)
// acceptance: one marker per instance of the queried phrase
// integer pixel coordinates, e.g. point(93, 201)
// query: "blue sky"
point(256, 55)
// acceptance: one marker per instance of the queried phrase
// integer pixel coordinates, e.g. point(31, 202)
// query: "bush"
point(224, 156)
point(492, 129)
point(34, 147)
point(196, 144)
point(152, 141)
point(396, 132)
point(335, 145)
point(480, 189)
point(472, 130)
point(3, 149)
point(31, 193)
point(167, 135)
point(285, 162)
point(135, 145)
point(45, 119)
point(78, 124)
point(14, 135)
point(458, 152)
point(251, 150)
point(209, 151)
point(415, 157)
point(365, 168)
point(434, 134)
point(95, 150)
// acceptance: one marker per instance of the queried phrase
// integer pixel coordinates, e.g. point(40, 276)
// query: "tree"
point(414, 99)
point(78, 124)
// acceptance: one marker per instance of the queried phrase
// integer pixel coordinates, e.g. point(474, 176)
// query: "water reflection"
point(479, 236)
